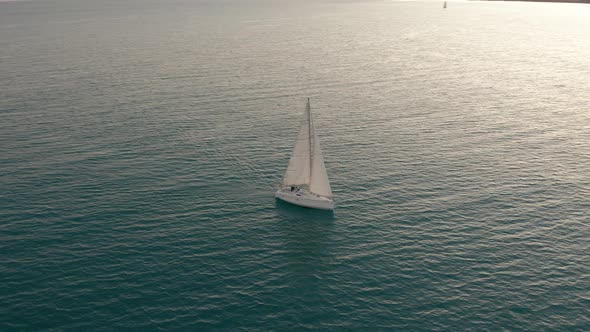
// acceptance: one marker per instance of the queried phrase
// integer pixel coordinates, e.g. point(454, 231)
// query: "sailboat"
point(306, 181)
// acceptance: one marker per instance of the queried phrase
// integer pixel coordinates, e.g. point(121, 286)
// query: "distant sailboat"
point(306, 180)
point(445, 4)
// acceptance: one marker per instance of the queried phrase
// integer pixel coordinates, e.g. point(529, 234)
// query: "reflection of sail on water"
point(306, 166)
point(306, 181)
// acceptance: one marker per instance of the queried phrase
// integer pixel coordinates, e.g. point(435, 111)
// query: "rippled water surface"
point(141, 142)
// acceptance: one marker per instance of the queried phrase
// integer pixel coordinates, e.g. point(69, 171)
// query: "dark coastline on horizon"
point(556, 1)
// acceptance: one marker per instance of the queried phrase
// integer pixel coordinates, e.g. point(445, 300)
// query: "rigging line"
point(247, 183)
point(266, 183)
point(310, 140)
point(252, 168)
point(244, 164)
point(240, 162)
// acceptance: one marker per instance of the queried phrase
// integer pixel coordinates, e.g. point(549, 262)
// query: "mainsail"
point(306, 166)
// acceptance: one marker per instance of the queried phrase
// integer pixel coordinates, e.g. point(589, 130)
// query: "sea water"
point(142, 142)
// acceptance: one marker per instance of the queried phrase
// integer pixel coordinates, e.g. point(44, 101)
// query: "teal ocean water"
point(141, 142)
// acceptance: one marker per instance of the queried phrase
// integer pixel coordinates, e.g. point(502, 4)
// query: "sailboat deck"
point(305, 198)
point(304, 194)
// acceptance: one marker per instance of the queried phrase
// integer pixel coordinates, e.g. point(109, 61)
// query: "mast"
point(310, 141)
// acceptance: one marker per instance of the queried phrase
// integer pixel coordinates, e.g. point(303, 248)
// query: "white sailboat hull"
point(305, 199)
